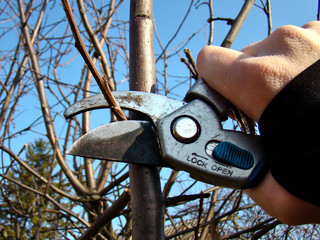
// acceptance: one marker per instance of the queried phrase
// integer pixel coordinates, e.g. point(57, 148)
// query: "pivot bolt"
point(185, 129)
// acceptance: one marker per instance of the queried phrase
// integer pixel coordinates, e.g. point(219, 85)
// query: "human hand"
point(252, 77)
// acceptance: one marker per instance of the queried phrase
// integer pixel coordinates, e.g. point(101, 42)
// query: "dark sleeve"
point(290, 133)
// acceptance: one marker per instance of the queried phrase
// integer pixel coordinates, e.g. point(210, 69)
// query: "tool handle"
point(192, 139)
point(201, 90)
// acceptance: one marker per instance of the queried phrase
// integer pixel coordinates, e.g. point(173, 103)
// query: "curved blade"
point(125, 141)
point(153, 105)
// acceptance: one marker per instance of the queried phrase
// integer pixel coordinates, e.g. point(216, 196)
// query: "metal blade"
point(125, 141)
point(153, 105)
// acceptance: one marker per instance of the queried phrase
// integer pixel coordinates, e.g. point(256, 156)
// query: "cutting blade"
point(154, 105)
point(125, 141)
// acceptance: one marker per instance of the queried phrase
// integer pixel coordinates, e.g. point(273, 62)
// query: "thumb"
point(246, 81)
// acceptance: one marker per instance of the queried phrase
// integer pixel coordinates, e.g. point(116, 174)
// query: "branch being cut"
point(102, 83)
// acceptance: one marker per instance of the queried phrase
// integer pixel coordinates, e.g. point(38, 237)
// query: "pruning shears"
point(184, 135)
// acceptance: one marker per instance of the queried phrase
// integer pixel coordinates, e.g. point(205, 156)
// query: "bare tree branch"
point(44, 104)
point(236, 25)
point(107, 216)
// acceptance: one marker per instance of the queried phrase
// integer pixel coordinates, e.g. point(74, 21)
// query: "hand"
point(250, 79)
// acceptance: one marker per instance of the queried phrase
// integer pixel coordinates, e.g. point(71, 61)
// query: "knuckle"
point(313, 25)
point(304, 39)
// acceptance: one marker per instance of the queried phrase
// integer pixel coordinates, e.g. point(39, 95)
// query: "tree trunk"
point(146, 197)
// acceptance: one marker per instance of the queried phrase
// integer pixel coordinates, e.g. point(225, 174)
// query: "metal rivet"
point(185, 129)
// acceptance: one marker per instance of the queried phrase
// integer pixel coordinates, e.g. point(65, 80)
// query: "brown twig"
point(193, 74)
point(32, 172)
point(191, 64)
point(103, 85)
point(107, 216)
point(191, 60)
point(173, 201)
point(200, 211)
point(214, 220)
point(48, 197)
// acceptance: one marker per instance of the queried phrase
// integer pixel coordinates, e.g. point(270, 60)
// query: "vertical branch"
point(268, 12)
point(211, 23)
point(165, 63)
point(86, 128)
point(146, 197)
point(210, 214)
point(200, 211)
point(318, 14)
point(142, 64)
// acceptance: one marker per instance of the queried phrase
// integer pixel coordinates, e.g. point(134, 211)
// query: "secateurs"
point(183, 135)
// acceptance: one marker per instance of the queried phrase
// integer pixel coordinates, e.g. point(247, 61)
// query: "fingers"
point(314, 26)
point(216, 62)
point(252, 49)
point(251, 78)
point(217, 66)
point(278, 42)
point(286, 38)
point(238, 77)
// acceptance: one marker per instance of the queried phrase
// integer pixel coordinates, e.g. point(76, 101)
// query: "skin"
point(250, 79)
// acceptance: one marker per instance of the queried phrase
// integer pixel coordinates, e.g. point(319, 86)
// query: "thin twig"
point(214, 220)
point(37, 175)
point(107, 216)
point(103, 85)
point(191, 64)
point(58, 205)
point(179, 28)
point(185, 198)
point(269, 16)
point(200, 211)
